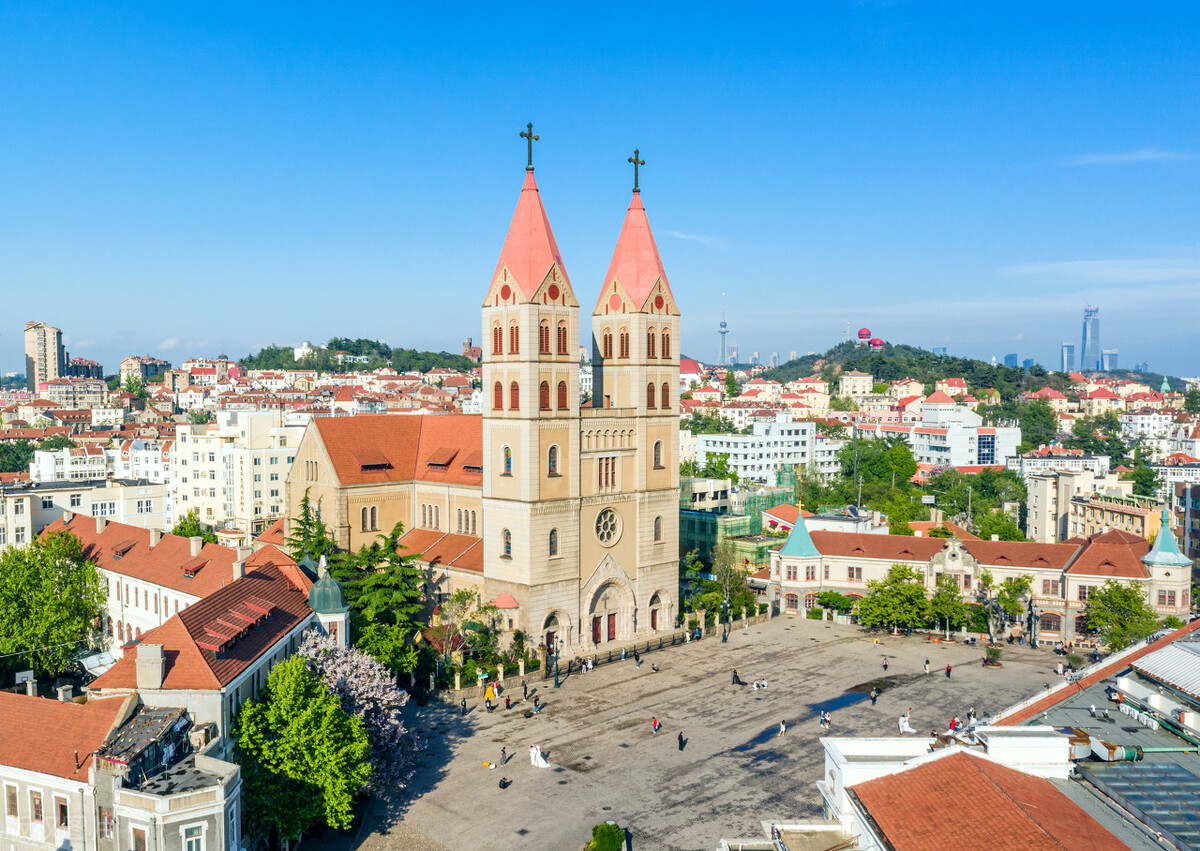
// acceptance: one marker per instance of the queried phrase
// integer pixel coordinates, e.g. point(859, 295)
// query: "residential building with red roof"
point(949, 435)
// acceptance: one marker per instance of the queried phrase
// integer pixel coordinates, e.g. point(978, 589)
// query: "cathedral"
point(564, 515)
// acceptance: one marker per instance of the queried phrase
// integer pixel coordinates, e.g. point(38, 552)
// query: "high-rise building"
point(754, 358)
point(45, 359)
point(733, 355)
point(1010, 360)
point(940, 351)
point(792, 355)
point(774, 359)
point(1067, 360)
point(1028, 363)
point(1089, 352)
point(1108, 359)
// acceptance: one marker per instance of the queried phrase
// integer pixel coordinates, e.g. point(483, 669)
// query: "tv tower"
point(724, 330)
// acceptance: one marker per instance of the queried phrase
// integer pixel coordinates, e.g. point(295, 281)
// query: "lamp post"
point(557, 653)
point(724, 620)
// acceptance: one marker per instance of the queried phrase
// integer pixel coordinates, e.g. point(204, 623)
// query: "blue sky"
point(199, 178)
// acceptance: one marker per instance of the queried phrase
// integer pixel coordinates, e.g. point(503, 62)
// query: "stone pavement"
point(734, 771)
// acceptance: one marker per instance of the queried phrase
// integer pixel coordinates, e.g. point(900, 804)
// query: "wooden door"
point(654, 619)
point(612, 627)
point(596, 629)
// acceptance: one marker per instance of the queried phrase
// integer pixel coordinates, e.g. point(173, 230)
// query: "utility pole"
point(969, 515)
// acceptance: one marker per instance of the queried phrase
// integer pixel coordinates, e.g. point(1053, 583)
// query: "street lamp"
point(725, 620)
point(557, 653)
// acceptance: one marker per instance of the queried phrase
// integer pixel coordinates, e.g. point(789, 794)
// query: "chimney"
point(100, 524)
point(150, 664)
point(31, 687)
point(995, 537)
point(239, 568)
point(66, 692)
point(197, 544)
point(155, 537)
point(68, 516)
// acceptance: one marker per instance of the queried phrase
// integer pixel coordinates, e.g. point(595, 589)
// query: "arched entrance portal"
point(556, 629)
point(655, 608)
point(610, 613)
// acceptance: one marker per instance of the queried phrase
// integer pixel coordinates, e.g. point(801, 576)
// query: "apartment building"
point(45, 358)
point(142, 367)
point(1185, 501)
point(1048, 514)
point(1057, 459)
point(1176, 469)
point(74, 392)
point(772, 446)
point(950, 435)
point(855, 383)
point(26, 508)
point(232, 472)
point(1097, 512)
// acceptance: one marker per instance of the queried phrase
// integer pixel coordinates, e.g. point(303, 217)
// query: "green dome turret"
point(326, 597)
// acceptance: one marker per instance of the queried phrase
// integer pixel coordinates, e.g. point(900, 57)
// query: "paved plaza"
point(734, 771)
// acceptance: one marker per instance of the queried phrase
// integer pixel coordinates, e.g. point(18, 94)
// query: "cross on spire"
point(636, 162)
point(529, 136)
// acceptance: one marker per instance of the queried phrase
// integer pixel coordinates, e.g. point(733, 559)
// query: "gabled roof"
point(529, 250)
point(889, 547)
point(965, 801)
point(370, 448)
point(441, 548)
point(43, 735)
point(937, 397)
point(189, 665)
point(1112, 554)
point(1029, 554)
point(636, 264)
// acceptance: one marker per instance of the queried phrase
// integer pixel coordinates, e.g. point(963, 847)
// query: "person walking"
point(927, 666)
point(654, 725)
point(874, 695)
point(948, 670)
point(654, 667)
point(463, 704)
point(875, 641)
point(503, 755)
point(971, 714)
point(885, 664)
point(524, 691)
point(782, 727)
point(507, 703)
point(681, 739)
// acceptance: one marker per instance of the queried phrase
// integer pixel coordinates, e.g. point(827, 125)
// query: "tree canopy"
point(1120, 612)
point(377, 354)
point(897, 600)
point(309, 537)
point(50, 599)
point(189, 526)
point(16, 455)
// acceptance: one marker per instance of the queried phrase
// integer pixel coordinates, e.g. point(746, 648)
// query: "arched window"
point(544, 337)
point(658, 528)
point(623, 342)
point(665, 400)
point(552, 461)
point(424, 516)
point(364, 519)
point(472, 522)
point(374, 519)
point(562, 338)
point(658, 459)
point(562, 395)
point(553, 542)
point(649, 395)
point(514, 339)
point(666, 344)
point(507, 541)
point(498, 397)
point(137, 633)
point(458, 525)
point(506, 455)
point(497, 339)
point(514, 397)
point(437, 516)
point(606, 343)
point(650, 335)
point(544, 396)
point(1050, 622)
point(791, 601)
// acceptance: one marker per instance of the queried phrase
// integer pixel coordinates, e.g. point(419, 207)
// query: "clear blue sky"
point(199, 178)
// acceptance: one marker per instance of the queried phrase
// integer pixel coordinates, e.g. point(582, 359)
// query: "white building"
point(773, 446)
point(950, 435)
point(1048, 509)
point(1149, 428)
point(1057, 459)
point(26, 508)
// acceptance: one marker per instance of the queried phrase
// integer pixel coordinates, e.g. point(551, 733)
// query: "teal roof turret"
point(799, 543)
point(326, 596)
point(1165, 552)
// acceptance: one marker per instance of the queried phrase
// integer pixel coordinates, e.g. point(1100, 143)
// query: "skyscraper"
point(1010, 360)
point(1067, 364)
point(45, 359)
point(1089, 353)
point(1108, 359)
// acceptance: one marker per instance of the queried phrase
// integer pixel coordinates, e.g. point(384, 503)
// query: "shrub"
point(993, 654)
point(469, 673)
point(1172, 622)
point(607, 837)
point(977, 618)
point(1075, 660)
point(815, 613)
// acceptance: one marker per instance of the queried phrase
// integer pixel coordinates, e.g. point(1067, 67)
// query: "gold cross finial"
point(636, 162)
point(527, 134)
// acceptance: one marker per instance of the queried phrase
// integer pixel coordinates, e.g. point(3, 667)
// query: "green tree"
point(731, 385)
point(701, 423)
point(58, 441)
point(1191, 401)
point(50, 598)
point(1001, 525)
point(607, 837)
point(690, 467)
point(136, 388)
point(303, 756)
point(189, 526)
point(15, 456)
point(309, 536)
point(382, 583)
point(1099, 435)
point(1145, 480)
point(199, 417)
point(1121, 614)
point(946, 605)
point(842, 403)
point(897, 600)
point(691, 583)
point(1038, 423)
point(716, 466)
point(834, 600)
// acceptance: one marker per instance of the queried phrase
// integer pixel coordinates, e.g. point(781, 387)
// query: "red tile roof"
point(937, 397)
point(188, 664)
point(635, 262)
point(926, 526)
point(126, 550)
point(371, 448)
point(963, 801)
point(1029, 554)
point(440, 548)
point(273, 534)
point(1113, 554)
point(529, 249)
point(890, 547)
point(43, 735)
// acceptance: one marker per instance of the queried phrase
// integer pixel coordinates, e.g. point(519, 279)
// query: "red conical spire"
point(529, 250)
point(635, 261)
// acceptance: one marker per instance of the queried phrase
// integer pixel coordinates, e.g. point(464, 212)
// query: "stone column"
point(521, 666)
point(457, 680)
point(700, 620)
point(543, 656)
point(500, 673)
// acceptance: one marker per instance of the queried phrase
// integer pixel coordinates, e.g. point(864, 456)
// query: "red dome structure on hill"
point(864, 334)
point(876, 344)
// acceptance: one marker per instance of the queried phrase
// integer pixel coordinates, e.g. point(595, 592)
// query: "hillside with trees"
point(378, 355)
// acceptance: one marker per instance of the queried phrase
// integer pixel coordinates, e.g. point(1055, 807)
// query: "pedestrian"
point(463, 704)
point(733, 677)
point(507, 703)
point(591, 662)
point(885, 664)
point(524, 691)
point(875, 642)
point(971, 714)
point(622, 654)
point(756, 685)
point(681, 740)
point(782, 728)
point(654, 725)
point(927, 666)
point(948, 670)
point(503, 755)
point(654, 667)
point(764, 682)
point(874, 695)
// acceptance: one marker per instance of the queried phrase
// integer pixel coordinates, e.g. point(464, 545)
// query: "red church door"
point(596, 629)
point(654, 619)
point(612, 627)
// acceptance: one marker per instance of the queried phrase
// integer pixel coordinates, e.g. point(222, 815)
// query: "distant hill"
point(900, 361)
point(378, 355)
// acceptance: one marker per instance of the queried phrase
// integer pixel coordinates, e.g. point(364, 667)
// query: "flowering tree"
point(368, 691)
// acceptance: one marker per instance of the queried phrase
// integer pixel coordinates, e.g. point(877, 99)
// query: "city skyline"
point(956, 178)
